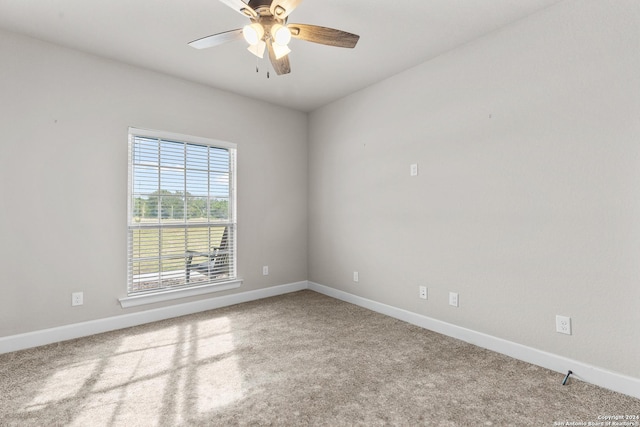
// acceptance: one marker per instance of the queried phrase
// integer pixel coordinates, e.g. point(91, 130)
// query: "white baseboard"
point(582, 371)
point(78, 330)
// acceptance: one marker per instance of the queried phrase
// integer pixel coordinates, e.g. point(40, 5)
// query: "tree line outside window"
point(178, 205)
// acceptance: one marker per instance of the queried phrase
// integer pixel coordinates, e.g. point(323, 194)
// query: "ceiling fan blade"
point(282, 8)
point(240, 7)
point(323, 35)
point(217, 39)
point(281, 66)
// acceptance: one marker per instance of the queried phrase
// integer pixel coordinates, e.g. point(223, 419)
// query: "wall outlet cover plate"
point(563, 324)
point(453, 299)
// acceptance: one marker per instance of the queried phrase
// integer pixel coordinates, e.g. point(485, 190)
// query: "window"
point(182, 216)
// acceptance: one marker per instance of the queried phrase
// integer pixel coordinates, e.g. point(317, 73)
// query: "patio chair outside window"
point(217, 260)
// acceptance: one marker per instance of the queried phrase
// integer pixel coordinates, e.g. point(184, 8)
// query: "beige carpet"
point(297, 359)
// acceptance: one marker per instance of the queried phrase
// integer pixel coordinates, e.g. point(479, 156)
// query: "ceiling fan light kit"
point(269, 31)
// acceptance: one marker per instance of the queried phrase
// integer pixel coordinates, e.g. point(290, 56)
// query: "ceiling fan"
point(269, 30)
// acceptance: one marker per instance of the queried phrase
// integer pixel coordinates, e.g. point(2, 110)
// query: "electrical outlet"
point(423, 292)
point(563, 324)
point(356, 276)
point(265, 270)
point(413, 169)
point(77, 298)
point(453, 299)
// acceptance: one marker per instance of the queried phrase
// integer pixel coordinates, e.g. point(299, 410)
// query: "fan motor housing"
point(260, 6)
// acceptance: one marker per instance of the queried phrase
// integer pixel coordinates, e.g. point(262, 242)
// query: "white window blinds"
point(181, 224)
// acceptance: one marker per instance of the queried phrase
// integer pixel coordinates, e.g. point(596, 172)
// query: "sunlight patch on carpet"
point(219, 384)
point(63, 384)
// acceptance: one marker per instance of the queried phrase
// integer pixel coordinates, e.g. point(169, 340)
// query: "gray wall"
point(527, 201)
point(64, 117)
point(528, 142)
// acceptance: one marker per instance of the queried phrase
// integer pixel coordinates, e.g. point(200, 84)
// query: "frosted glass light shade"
point(253, 33)
point(280, 50)
point(258, 48)
point(281, 34)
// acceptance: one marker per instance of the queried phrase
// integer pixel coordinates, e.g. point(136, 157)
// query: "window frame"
point(185, 289)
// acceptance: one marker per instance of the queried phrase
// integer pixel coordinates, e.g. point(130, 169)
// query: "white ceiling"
point(394, 35)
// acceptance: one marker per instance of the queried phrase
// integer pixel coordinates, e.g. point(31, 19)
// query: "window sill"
point(173, 294)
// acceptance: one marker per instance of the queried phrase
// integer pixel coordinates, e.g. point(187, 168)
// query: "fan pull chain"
point(258, 69)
